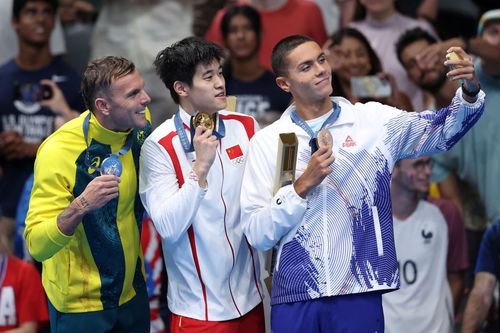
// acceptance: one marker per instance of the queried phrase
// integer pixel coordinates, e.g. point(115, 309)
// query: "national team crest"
point(235, 154)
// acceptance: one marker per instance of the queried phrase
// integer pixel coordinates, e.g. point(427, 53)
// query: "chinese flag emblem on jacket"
point(235, 154)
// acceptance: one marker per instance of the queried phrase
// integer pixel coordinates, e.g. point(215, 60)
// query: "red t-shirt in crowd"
point(22, 298)
point(296, 17)
point(457, 259)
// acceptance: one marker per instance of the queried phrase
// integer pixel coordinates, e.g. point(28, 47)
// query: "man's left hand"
point(463, 69)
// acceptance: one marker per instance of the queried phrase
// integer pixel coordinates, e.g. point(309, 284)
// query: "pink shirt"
point(383, 37)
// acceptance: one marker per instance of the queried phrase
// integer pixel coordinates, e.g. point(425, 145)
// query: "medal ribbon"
point(313, 143)
point(188, 146)
point(123, 150)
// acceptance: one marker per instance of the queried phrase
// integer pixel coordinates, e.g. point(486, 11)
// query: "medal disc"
point(325, 138)
point(111, 166)
point(203, 119)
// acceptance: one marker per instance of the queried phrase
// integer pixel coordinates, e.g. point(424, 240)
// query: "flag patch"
point(235, 154)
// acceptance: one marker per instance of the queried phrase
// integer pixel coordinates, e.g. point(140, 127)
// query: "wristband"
point(471, 94)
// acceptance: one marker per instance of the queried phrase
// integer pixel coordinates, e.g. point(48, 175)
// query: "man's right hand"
point(57, 103)
point(317, 169)
point(98, 192)
point(205, 146)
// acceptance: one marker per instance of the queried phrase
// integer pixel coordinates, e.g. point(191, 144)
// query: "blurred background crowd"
point(389, 51)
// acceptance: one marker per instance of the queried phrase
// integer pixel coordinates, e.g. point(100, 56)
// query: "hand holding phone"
point(462, 70)
point(31, 92)
point(453, 56)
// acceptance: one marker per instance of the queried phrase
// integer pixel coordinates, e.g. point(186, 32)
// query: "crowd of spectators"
point(397, 47)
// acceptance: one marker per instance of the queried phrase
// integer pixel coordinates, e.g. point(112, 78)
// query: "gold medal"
point(325, 138)
point(203, 119)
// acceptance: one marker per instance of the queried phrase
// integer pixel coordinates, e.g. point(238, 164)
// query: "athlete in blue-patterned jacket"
point(333, 226)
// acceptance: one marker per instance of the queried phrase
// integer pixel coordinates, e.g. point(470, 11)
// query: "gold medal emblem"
point(203, 119)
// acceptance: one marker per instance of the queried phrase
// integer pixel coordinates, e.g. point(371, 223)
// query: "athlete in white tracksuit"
point(339, 240)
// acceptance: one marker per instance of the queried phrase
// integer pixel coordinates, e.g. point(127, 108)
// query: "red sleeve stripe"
point(166, 143)
point(247, 122)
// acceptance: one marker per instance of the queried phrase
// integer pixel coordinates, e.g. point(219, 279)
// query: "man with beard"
point(476, 158)
point(431, 76)
point(480, 142)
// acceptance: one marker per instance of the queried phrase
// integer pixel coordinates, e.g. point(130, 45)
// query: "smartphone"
point(370, 86)
point(453, 56)
point(32, 92)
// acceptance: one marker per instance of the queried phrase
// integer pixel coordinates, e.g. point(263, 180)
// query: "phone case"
point(370, 86)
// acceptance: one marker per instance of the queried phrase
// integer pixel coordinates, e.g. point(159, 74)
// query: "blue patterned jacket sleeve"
point(414, 134)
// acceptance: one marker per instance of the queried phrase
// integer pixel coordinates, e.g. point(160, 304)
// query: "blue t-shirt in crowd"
point(257, 97)
point(489, 253)
point(20, 112)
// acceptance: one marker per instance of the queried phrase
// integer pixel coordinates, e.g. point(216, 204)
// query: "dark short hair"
point(282, 49)
point(412, 36)
point(18, 5)
point(249, 12)
point(100, 74)
point(178, 62)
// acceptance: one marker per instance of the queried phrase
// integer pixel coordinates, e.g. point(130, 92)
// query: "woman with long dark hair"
point(350, 56)
point(382, 25)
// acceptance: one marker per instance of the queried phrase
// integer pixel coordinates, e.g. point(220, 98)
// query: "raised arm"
point(170, 197)
point(415, 134)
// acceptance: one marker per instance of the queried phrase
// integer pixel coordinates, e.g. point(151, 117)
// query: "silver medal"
point(111, 166)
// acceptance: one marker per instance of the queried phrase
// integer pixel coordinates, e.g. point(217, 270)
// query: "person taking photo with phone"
point(26, 117)
point(353, 61)
point(333, 226)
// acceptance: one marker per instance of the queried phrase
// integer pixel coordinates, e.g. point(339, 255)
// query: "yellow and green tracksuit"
point(101, 265)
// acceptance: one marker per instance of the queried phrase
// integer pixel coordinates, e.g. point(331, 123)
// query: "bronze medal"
point(325, 138)
point(203, 119)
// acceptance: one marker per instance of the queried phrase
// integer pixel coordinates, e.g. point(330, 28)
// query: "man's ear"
point(102, 106)
point(283, 83)
point(181, 88)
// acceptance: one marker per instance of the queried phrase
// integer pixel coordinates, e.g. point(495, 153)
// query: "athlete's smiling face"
point(308, 74)
point(207, 93)
point(126, 102)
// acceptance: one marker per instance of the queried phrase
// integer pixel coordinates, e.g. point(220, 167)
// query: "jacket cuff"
point(55, 235)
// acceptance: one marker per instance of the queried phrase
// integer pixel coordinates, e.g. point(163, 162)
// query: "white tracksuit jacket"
point(212, 270)
point(339, 240)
